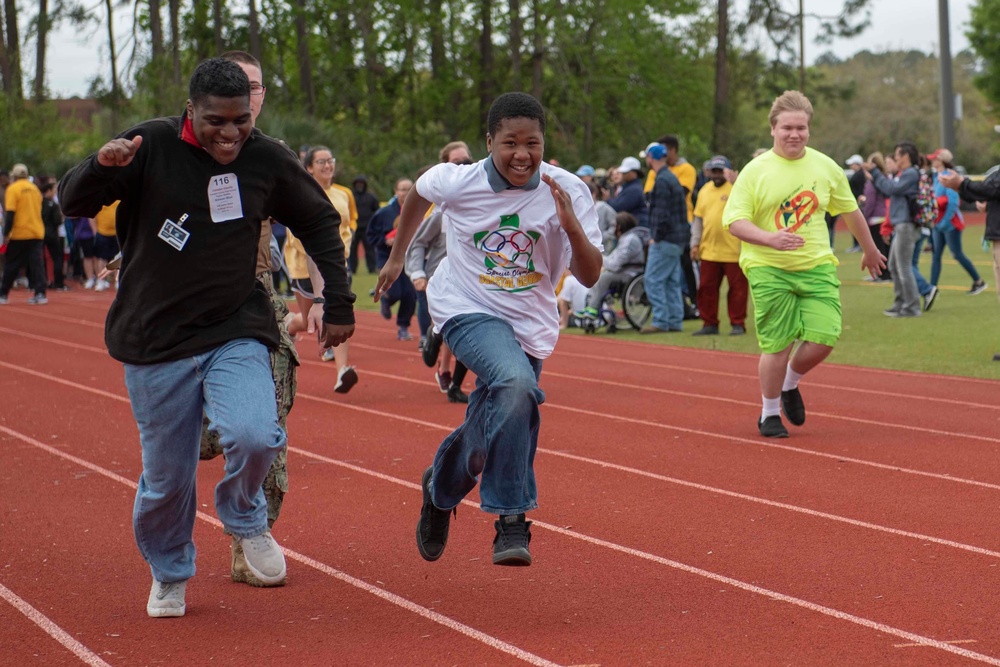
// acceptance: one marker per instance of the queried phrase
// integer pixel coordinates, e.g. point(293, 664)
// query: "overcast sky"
point(896, 24)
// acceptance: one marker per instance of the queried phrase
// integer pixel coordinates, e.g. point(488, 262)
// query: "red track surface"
point(669, 533)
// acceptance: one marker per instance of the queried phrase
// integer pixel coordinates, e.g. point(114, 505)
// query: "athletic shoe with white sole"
point(166, 600)
point(347, 377)
point(264, 558)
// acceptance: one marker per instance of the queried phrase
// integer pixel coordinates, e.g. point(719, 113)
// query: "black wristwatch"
point(319, 300)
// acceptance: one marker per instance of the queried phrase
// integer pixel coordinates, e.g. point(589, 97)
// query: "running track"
point(669, 533)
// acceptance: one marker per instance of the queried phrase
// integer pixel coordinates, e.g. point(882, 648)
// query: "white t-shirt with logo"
point(506, 250)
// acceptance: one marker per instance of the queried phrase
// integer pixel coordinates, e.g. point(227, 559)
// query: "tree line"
point(385, 84)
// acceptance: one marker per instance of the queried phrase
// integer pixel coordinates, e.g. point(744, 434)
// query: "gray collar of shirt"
point(499, 183)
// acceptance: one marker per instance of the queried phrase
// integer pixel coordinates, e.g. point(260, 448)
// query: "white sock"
point(772, 407)
point(791, 379)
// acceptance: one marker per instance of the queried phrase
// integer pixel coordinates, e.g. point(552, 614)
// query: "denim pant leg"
point(953, 237)
point(423, 313)
point(923, 287)
point(239, 402)
point(655, 283)
point(674, 285)
point(500, 433)
point(167, 404)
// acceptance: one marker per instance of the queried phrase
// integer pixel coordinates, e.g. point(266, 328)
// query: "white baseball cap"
point(855, 159)
point(629, 164)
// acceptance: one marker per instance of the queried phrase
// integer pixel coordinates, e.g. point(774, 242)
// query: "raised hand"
point(118, 152)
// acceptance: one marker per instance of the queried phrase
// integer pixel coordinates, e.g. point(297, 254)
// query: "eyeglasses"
point(257, 89)
point(323, 163)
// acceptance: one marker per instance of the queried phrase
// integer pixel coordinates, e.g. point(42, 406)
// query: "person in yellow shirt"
point(719, 253)
point(23, 234)
point(105, 242)
point(777, 209)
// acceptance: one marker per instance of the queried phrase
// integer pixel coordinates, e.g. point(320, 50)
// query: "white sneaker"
point(264, 558)
point(328, 354)
point(101, 285)
point(89, 284)
point(166, 600)
point(347, 377)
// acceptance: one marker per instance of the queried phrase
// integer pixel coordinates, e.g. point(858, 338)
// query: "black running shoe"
point(772, 427)
point(432, 349)
point(432, 529)
point(510, 546)
point(793, 407)
point(456, 395)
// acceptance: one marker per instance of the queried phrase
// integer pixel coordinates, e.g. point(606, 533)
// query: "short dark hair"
point(909, 148)
point(218, 77)
point(47, 186)
point(625, 221)
point(670, 141)
point(514, 105)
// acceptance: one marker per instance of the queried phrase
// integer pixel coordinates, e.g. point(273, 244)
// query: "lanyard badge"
point(173, 234)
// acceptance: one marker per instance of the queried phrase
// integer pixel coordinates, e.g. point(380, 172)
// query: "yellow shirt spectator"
point(352, 208)
point(106, 220)
point(717, 244)
point(24, 199)
point(774, 193)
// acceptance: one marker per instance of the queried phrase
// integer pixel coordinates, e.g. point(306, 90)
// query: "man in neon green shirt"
point(777, 209)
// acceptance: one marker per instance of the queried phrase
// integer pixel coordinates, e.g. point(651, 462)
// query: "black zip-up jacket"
point(988, 191)
point(172, 304)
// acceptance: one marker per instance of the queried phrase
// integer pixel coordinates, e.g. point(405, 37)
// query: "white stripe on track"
point(424, 612)
point(510, 649)
point(690, 569)
point(50, 628)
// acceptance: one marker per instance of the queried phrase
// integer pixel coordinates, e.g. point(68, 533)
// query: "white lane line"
point(429, 614)
point(471, 632)
point(690, 569)
point(626, 469)
point(952, 641)
point(50, 628)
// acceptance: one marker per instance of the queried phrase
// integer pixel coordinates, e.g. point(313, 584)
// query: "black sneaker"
point(432, 529)
point(793, 407)
point(432, 349)
point(977, 287)
point(772, 427)
point(707, 330)
point(510, 546)
point(456, 395)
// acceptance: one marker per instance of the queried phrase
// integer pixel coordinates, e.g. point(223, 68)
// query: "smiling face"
point(322, 167)
point(221, 125)
point(791, 134)
point(517, 149)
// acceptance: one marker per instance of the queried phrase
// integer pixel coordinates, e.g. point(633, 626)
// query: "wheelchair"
point(628, 300)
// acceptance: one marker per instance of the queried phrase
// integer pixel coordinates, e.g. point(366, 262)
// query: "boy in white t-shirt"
point(515, 223)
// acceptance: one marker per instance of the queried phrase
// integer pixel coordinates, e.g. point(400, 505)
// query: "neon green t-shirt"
point(774, 193)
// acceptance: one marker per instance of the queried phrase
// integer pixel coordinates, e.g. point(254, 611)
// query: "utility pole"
point(947, 93)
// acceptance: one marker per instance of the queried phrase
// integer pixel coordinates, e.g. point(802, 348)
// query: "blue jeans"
point(953, 239)
point(923, 287)
point(500, 433)
point(233, 386)
point(663, 283)
point(423, 313)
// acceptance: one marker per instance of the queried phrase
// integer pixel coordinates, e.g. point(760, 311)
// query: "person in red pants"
point(719, 253)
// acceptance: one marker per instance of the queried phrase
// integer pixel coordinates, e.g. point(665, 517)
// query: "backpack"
point(924, 206)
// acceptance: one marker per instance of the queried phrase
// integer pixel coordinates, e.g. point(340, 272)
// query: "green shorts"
point(795, 305)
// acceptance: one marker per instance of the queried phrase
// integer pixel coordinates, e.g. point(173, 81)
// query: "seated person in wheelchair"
point(625, 262)
point(571, 298)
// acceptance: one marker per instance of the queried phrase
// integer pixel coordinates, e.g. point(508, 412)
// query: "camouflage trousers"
point(284, 360)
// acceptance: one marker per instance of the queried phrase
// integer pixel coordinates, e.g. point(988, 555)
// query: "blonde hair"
point(878, 159)
point(790, 100)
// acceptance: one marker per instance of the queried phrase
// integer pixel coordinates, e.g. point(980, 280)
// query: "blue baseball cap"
point(655, 151)
point(718, 162)
point(585, 170)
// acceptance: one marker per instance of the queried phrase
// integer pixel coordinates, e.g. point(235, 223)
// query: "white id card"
point(174, 235)
point(224, 198)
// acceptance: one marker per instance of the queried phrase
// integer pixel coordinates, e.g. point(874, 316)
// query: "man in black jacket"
point(190, 322)
point(988, 192)
point(52, 218)
point(367, 203)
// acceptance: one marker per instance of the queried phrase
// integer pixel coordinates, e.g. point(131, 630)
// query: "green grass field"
point(959, 336)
